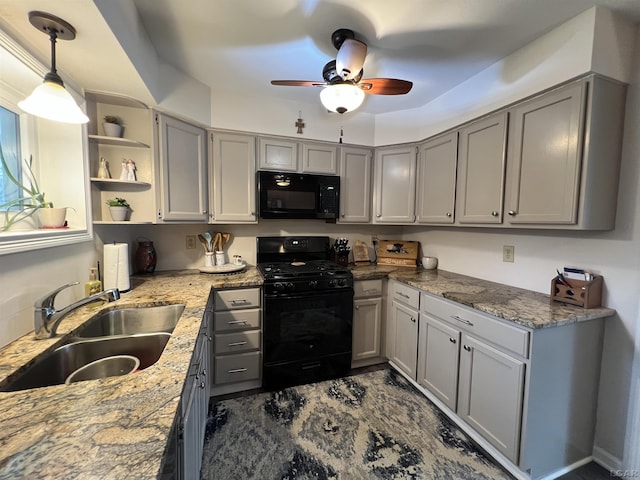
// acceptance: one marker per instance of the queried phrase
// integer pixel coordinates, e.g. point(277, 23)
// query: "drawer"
point(367, 288)
point(237, 368)
point(235, 299)
point(236, 342)
point(236, 320)
point(406, 294)
point(509, 337)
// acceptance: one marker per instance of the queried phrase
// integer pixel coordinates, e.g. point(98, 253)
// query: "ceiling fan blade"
point(385, 86)
point(350, 58)
point(298, 83)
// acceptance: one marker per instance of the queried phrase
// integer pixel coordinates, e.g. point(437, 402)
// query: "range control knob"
point(290, 286)
point(342, 282)
point(331, 283)
point(313, 284)
point(279, 287)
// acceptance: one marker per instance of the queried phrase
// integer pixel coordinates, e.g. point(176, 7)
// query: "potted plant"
point(112, 126)
point(28, 200)
point(119, 209)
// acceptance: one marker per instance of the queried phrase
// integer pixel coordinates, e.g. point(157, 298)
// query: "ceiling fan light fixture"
point(341, 97)
point(51, 100)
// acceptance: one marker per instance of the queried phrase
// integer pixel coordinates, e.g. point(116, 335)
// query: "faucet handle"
point(46, 302)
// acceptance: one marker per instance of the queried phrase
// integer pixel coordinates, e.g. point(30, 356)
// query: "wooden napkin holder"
point(586, 294)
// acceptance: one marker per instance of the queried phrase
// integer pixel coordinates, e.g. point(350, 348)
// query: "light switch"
point(508, 253)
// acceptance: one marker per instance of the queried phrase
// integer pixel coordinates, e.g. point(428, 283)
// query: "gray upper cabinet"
point(564, 154)
point(481, 170)
point(319, 158)
point(277, 154)
point(355, 185)
point(182, 157)
point(436, 185)
point(395, 185)
point(233, 178)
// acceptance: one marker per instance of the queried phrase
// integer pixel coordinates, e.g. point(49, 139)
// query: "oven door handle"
point(305, 295)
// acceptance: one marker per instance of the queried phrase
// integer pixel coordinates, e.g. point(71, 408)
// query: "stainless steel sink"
point(130, 321)
point(55, 367)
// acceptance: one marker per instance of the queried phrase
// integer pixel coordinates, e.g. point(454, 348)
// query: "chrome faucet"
point(46, 318)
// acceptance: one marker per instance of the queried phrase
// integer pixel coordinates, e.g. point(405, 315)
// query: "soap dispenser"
point(93, 285)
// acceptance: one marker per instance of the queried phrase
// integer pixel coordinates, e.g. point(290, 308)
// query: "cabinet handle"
point(342, 215)
point(403, 295)
point(236, 344)
point(378, 215)
point(357, 307)
point(459, 319)
point(512, 212)
point(467, 348)
point(449, 214)
point(237, 370)
point(202, 385)
point(413, 320)
point(237, 322)
point(452, 340)
point(239, 301)
point(253, 214)
point(494, 213)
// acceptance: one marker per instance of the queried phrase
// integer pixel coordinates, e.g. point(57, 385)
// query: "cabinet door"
point(276, 154)
point(438, 354)
point(319, 158)
point(436, 186)
point(545, 148)
point(395, 185)
point(481, 164)
point(490, 394)
point(233, 192)
point(404, 338)
point(367, 318)
point(182, 152)
point(355, 185)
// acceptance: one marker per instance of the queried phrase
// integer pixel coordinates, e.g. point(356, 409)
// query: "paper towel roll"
point(116, 267)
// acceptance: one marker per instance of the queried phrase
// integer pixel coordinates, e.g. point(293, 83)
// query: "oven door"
point(306, 336)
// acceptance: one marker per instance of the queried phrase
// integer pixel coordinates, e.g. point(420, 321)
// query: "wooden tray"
point(398, 252)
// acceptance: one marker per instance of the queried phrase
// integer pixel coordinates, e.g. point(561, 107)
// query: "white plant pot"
point(52, 217)
point(112, 129)
point(119, 214)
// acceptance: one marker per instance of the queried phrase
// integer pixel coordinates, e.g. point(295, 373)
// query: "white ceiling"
point(240, 45)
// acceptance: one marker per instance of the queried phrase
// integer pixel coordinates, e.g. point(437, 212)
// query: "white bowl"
point(429, 262)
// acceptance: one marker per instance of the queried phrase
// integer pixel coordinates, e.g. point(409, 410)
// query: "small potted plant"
point(119, 209)
point(112, 126)
point(28, 200)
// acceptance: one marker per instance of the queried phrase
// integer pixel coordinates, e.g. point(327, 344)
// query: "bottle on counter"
point(93, 285)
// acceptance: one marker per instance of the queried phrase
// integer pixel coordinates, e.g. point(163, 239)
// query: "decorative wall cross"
point(299, 123)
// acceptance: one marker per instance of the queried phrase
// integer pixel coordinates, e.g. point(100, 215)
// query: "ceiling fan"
point(344, 87)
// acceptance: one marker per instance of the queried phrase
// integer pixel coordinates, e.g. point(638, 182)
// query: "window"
point(10, 143)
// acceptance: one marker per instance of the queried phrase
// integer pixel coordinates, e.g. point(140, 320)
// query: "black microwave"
point(298, 195)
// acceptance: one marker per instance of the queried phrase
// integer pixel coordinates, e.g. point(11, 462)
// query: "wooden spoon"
point(204, 243)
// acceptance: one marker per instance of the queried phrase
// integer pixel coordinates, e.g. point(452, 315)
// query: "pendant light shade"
point(341, 97)
point(51, 100)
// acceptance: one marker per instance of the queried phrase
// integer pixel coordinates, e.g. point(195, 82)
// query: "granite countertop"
point(118, 427)
point(115, 427)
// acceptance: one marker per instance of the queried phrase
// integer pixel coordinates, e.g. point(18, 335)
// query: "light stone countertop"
point(118, 427)
point(112, 428)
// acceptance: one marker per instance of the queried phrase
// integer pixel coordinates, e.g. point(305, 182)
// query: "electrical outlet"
point(191, 242)
point(508, 253)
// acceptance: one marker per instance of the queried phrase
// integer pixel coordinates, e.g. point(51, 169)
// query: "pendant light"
point(51, 100)
point(341, 97)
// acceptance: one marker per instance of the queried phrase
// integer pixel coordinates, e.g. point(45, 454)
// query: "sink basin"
point(55, 367)
point(131, 321)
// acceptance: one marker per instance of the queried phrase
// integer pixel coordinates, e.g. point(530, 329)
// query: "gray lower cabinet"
point(237, 340)
point(530, 394)
point(402, 327)
point(367, 323)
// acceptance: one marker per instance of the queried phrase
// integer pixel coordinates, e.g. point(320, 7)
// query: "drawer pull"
point(462, 320)
point(403, 295)
point(204, 372)
point(452, 340)
point(236, 344)
point(237, 370)
point(239, 301)
point(467, 348)
point(357, 307)
point(202, 385)
point(413, 320)
point(237, 322)
point(373, 291)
